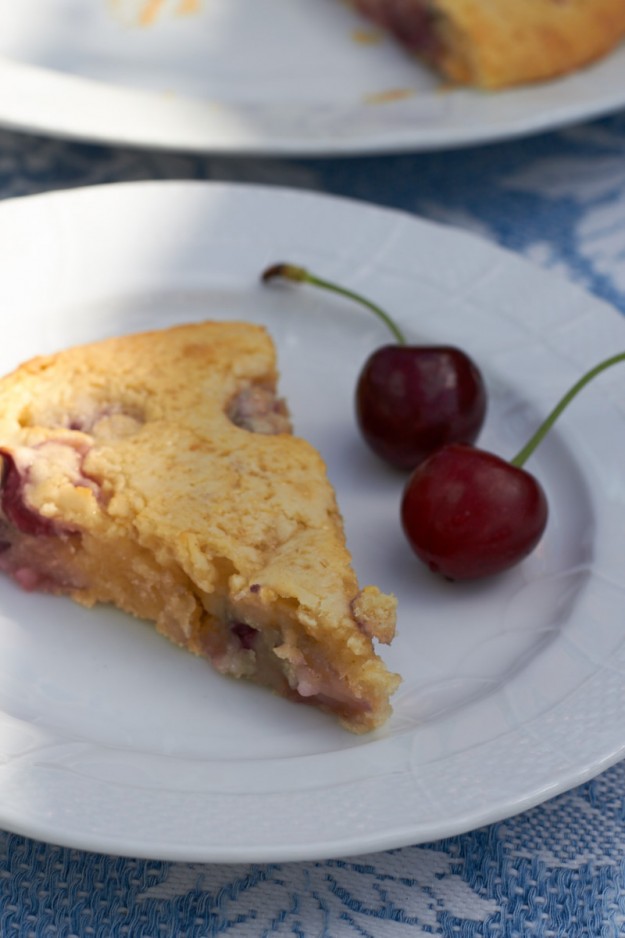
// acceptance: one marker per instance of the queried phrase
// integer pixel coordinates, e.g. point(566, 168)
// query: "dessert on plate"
point(158, 472)
point(498, 43)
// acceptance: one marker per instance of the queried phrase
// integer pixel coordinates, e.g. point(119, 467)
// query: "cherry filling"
point(299, 677)
point(245, 634)
point(413, 24)
point(257, 409)
point(15, 508)
point(52, 456)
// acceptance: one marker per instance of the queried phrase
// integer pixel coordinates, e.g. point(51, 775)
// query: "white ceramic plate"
point(114, 740)
point(270, 77)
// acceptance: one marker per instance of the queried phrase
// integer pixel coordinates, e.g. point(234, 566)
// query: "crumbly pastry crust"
point(498, 43)
point(158, 472)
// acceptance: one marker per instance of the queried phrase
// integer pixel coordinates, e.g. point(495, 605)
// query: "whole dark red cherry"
point(467, 513)
point(410, 399)
point(413, 399)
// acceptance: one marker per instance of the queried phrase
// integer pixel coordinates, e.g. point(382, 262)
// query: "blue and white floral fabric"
point(558, 870)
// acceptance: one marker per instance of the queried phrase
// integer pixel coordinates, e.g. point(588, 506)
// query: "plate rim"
point(70, 107)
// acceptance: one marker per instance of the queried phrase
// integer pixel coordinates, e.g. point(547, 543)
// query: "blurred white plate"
point(112, 739)
point(271, 77)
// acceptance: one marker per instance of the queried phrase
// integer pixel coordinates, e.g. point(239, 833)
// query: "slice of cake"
point(158, 472)
point(497, 43)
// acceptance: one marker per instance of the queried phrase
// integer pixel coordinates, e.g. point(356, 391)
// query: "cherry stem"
point(301, 275)
point(523, 455)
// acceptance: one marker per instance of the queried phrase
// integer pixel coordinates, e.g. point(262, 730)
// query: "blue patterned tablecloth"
point(557, 870)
